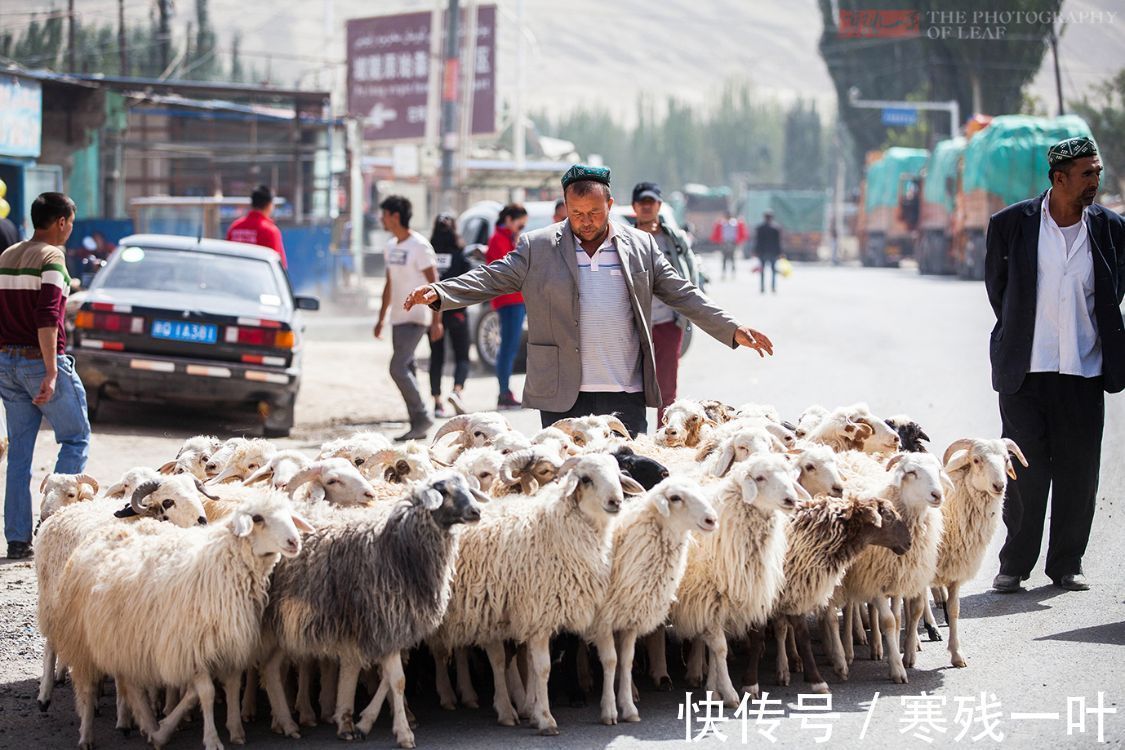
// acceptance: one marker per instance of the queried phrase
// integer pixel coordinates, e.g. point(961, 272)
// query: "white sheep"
point(763, 411)
point(979, 470)
point(733, 577)
point(650, 547)
point(279, 469)
point(61, 490)
point(809, 420)
point(915, 483)
point(588, 432)
point(737, 446)
point(238, 459)
point(400, 465)
point(156, 605)
point(819, 472)
point(685, 425)
point(358, 448)
point(193, 456)
point(481, 466)
point(530, 569)
point(525, 472)
point(134, 478)
point(855, 428)
point(472, 430)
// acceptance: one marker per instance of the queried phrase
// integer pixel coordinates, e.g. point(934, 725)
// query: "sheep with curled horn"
point(526, 471)
point(591, 431)
point(280, 469)
point(473, 430)
point(717, 411)
point(399, 465)
point(61, 490)
point(334, 480)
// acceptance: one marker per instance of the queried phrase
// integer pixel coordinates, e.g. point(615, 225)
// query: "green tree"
point(804, 160)
point(1105, 113)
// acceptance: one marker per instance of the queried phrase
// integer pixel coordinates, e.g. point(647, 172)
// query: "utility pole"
point(449, 102)
point(165, 33)
point(72, 52)
point(1058, 78)
point(519, 135)
point(121, 44)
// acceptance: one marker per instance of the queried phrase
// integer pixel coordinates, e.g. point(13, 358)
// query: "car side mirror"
point(306, 303)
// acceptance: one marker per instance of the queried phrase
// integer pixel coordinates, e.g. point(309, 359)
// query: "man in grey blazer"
point(588, 284)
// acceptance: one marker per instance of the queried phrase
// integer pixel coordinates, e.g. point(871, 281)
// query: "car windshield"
point(181, 271)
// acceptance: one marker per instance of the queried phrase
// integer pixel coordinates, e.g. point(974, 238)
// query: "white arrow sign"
point(380, 116)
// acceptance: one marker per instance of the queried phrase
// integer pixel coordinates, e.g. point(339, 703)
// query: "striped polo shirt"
point(611, 347)
point(33, 289)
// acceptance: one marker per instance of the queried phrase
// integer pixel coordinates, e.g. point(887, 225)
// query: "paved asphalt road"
point(903, 344)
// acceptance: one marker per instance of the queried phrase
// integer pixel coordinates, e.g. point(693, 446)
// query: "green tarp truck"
point(890, 206)
point(799, 213)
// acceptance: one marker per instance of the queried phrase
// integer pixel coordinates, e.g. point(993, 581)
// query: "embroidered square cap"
point(1071, 148)
point(584, 172)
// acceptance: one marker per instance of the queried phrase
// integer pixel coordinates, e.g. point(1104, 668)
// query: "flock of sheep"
point(241, 565)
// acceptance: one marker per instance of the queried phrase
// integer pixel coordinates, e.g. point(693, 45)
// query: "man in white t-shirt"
point(410, 262)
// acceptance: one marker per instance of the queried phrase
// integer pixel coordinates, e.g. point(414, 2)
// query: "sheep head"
point(595, 484)
point(717, 411)
point(682, 502)
point(684, 424)
point(988, 462)
point(818, 472)
point(132, 479)
point(61, 490)
point(334, 480)
point(647, 471)
point(530, 469)
point(921, 480)
point(270, 525)
point(765, 482)
point(449, 498)
point(175, 499)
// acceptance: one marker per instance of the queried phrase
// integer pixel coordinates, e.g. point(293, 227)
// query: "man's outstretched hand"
point(423, 295)
point(756, 340)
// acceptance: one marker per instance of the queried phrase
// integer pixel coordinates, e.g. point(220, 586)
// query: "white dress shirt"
point(1066, 335)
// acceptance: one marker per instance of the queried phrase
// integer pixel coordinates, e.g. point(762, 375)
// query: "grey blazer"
point(544, 268)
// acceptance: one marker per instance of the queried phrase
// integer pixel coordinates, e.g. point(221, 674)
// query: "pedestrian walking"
point(510, 307)
point(590, 350)
point(257, 227)
point(449, 252)
point(37, 377)
point(1055, 275)
point(728, 233)
point(767, 246)
point(668, 326)
point(9, 233)
point(410, 260)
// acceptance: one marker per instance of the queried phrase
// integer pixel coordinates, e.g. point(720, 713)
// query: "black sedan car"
point(193, 321)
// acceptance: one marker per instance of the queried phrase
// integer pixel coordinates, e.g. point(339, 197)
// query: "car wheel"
point(93, 404)
point(487, 336)
point(279, 421)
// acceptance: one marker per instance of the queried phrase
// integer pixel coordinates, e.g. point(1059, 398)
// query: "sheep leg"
point(516, 674)
point(780, 631)
point(717, 643)
point(750, 682)
point(329, 672)
point(465, 688)
point(171, 699)
point(794, 654)
point(582, 669)
point(279, 706)
point(306, 716)
point(142, 711)
point(800, 630)
point(953, 615)
point(232, 686)
point(205, 689)
point(930, 622)
point(169, 723)
point(47, 679)
point(625, 674)
point(446, 696)
point(85, 696)
point(539, 649)
point(894, 656)
point(879, 626)
point(370, 714)
point(345, 698)
point(124, 714)
point(656, 644)
point(607, 654)
point(696, 655)
point(394, 681)
point(912, 614)
point(848, 642)
point(831, 624)
point(250, 696)
point(857, 621)
point(500, 699)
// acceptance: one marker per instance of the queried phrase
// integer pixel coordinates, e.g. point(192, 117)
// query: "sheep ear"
point(126, 512)
point(430, 499)
point(479, 496)
point(168, 468)
point(1010, 469)
point(946, 482)
point(316, 492)
point(242, 525)
point(115, 490)
point(749, 491)
point(802, 493)
point(43, 484)
point(301, 524)
point(661, 503)
point(570, 484)
point(631, 486)
point(473, 481)
point(959, 460)
point(724, 461)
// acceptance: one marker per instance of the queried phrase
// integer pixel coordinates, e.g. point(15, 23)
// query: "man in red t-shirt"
point(256, 227)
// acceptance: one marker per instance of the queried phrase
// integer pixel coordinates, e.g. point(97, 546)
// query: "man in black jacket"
point(767, 246)
point(1055, 275)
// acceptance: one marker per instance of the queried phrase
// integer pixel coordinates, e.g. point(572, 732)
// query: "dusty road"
point(901, 343)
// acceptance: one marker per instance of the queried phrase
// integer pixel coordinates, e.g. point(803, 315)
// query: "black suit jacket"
point(1011, 269)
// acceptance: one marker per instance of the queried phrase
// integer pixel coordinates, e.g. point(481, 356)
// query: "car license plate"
point(179, 330)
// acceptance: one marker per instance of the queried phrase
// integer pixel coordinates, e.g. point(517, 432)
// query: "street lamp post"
point(951, 106)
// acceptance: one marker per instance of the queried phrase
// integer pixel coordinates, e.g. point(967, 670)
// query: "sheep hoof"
point(508, 721)
point(664, 683)
point(841, 673)
point(86, 745)
point(694, 681)
point(958, 661)
point(933, 633)
point(60, 679)
point(631, 717)
point(752, 690)
point(549, 731)
point(44, 705)
point(783, 679)
point(238, 738)
point(609, 721)
point(472, 703)
point(307, 721)
point(407, 742)
point(820, 688)
point(125, 731)
point(449, 706)
point(249, 716)
point(899, 677)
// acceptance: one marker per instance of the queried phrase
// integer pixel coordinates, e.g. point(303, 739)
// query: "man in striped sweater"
point(37, 377)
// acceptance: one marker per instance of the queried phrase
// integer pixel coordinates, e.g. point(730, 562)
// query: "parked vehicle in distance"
point(202, 322)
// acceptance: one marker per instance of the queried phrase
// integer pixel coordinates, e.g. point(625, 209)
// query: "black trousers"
point(1057, 422)
point(456, 325)
point(629, 408)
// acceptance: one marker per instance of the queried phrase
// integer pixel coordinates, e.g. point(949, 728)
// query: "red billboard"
point(389, 72)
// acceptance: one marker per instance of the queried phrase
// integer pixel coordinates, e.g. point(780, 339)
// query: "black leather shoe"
point(1073, 582)
point(1006, 584)
point(19, 550)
